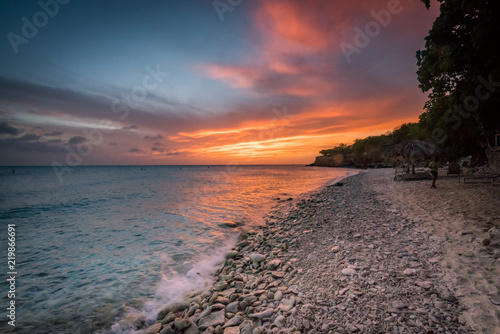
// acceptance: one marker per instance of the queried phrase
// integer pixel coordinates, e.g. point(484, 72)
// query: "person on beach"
point(433, 169)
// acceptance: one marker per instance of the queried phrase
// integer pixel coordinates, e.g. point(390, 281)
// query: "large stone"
point(168, 318)
point(257, 257)
point(133, 321)
point(193, 308)
point(222, 300)
point(294, 289)
point(285, 308)
point(424, 284)
point(221, 286)
point(174, 308)
point(239, 285)
point(246, 327)
point(279, 321)
point(278, 295)
point(216, 307)
point(195, 317)
point(167, 330)
point(232, 307)
point(348, 271)
point(236, 321)
point(213, 319)
point(277, 274)
point(180, 323)
point(227, 293)
point(206, 312)
point(272, 265)
point(153, 329)
point(290, 301)
point(192, 329)
point(264, 314)
point(259, 292)
point(410, 271)
point(231, 254)
point(209, 330)
point(228, 224)
point(232, 330)
point(243, 305)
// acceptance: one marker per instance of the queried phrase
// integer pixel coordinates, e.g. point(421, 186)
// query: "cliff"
point(350, 160)
point(330, 161)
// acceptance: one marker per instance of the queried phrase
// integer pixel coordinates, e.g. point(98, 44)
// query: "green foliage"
point(339, 149)
point(371, 149)
point(427, 3)
point(461, 55)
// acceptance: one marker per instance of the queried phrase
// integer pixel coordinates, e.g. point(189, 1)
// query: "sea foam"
point(174, 288)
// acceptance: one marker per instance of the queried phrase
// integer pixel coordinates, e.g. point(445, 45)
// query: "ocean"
point(113, 243)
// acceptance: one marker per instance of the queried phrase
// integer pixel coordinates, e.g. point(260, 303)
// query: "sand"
point(461, 217)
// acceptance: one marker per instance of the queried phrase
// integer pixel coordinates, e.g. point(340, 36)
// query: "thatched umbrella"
point(413, 151)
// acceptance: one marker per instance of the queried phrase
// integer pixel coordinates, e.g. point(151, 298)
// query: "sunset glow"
point(269, 84)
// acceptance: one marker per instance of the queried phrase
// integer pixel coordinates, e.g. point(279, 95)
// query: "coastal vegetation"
point(460, 70)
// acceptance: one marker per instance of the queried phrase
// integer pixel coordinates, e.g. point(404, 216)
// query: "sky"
point(203, 82)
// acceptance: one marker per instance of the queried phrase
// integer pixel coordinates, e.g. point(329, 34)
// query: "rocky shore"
point(343, 261)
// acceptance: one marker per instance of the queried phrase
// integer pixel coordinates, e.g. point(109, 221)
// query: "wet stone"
point(213, 319)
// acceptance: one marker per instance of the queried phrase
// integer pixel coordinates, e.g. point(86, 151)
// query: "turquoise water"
point(109, 242)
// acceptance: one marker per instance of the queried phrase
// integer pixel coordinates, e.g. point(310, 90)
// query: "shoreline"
point(346, 260)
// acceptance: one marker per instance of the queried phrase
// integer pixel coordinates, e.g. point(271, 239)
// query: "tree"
point(460, 68)
point(339, 149)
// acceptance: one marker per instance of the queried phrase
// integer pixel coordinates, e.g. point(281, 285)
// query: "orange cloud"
point(298, 59)
point(286, 20)
point(236, 76)
point(298, 43)
point(299, 135)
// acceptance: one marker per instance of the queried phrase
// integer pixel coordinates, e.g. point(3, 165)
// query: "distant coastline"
point(341, 161)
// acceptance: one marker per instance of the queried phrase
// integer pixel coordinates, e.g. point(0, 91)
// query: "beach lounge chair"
point(479, 178)
point(404, 176)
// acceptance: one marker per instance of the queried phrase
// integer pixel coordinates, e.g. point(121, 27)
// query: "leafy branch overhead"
point(460, 68)
point(427, 3)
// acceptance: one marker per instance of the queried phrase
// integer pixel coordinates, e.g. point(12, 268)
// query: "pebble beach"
point(366, 255)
